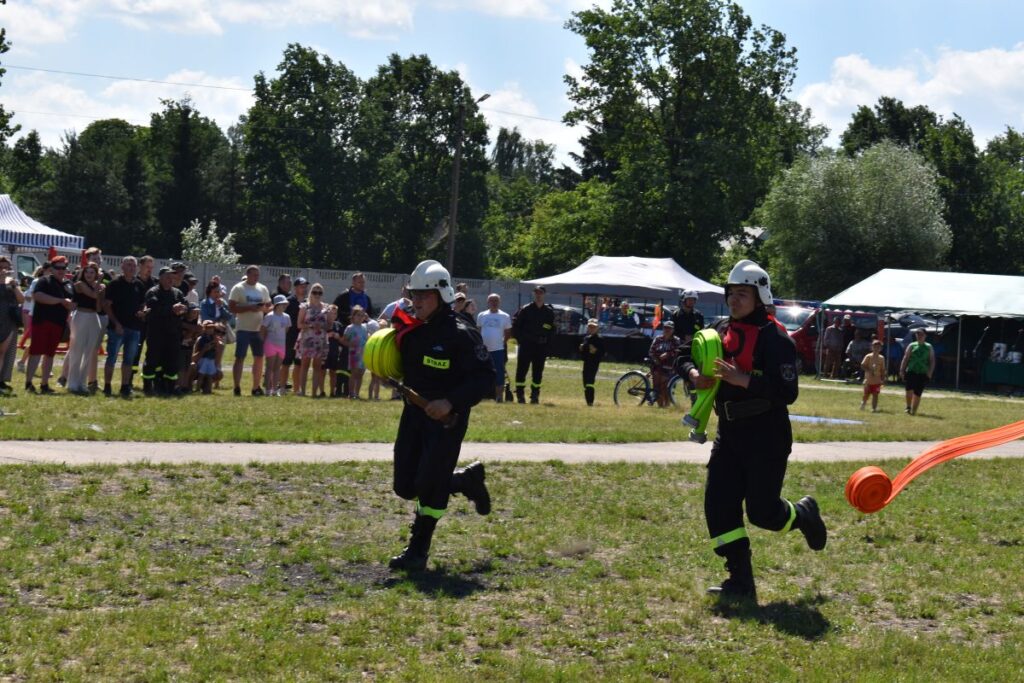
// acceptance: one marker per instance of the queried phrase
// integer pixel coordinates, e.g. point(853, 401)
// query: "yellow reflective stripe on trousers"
point(792, 517)
point(535, 385)
point(729, 537)
point(589, 386)
point(429, 512)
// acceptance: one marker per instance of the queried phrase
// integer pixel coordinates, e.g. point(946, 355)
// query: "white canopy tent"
point(19, 230)
point(634, 276)
point(958, 294)
point(992, 296)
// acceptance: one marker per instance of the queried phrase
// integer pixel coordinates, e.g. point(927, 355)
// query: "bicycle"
point(636, 387)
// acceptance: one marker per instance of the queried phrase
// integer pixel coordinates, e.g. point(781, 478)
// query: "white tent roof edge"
point(19, 230)
point(627, 275)
point(974, 294)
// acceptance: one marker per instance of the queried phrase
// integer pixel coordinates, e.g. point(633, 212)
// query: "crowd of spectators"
point(178, 329)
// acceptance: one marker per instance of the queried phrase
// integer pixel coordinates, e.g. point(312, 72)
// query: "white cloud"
point(545, 10)
point(984, 87)
point(509, 107)
point(54, 107)
point(29, 25)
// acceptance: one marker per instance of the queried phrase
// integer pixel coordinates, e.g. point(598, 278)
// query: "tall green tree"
point(299, 164)
point(832, 221)
point(686, 108)
point(408, 127)
point(182, 149)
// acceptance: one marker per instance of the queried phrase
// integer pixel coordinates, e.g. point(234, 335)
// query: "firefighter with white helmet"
point(444, 361)
point(748, 460)
point(688, 320)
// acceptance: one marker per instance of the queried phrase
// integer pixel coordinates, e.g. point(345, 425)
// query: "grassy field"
point(562, 417)
point(582, 573)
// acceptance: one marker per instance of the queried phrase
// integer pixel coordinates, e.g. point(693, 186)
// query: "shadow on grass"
point(801, 618)
point(440, 582)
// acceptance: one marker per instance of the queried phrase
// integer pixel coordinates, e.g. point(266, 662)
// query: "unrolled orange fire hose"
point(869, 489)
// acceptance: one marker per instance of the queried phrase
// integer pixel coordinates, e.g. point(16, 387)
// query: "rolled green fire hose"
point(705, 348)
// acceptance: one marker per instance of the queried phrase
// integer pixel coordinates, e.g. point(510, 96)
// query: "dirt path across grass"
point(122, 452)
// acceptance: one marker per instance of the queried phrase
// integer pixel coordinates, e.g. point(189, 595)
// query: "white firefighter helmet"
point(690, 294)
point(746, 272)
point(432, 275)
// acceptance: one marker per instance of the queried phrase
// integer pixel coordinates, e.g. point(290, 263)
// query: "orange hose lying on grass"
point(869, 489)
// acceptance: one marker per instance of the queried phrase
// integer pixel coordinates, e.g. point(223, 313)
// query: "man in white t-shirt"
point(249, 301)
point(495, 329)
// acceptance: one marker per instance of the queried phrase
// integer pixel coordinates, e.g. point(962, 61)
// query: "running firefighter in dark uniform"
point(750, 452)
point(445, 361)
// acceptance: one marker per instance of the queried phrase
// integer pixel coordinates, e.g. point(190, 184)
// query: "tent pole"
point(959, 336)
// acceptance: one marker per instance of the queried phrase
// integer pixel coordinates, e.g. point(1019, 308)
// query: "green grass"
point(563, 417)
point(588, 572)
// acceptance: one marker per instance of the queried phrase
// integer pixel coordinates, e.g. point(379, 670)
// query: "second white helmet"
point(690, 294)
point(432, 275)
point(746, 272)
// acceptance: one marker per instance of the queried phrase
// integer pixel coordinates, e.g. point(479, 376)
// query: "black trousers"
point(589, 377)
point(747, 466)
point(163, 355)
point(425, 457)
point(530, 356)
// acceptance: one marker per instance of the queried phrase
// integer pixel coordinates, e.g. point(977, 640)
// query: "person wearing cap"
point(53, 299)
point(274, 333)
point(495, 327)
point(459, 306)
point(916, 368)
point(165, 307)
point(300, 285)
point(444, 361)
point(663, 353)
point(591, 351)
point(534, 328)
point(248, 301)
point(748, 459)
point(687, 319)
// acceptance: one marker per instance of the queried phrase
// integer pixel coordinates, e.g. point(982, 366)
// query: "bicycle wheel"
point(679, 392)
point(631, 389)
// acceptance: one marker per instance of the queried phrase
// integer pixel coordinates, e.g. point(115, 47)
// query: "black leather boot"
point(588, 393)
point(740, 583)
point(520, 395)
point(414, 557)
point(810, 523)
point(469, 481)
point(147, 387)
point(534, 395)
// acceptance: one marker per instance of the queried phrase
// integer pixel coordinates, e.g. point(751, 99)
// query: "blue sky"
point(951, 55)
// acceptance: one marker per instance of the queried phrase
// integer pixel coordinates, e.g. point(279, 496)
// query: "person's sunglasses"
point(316, 292)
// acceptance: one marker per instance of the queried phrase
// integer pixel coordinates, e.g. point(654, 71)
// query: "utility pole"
point(453, 211)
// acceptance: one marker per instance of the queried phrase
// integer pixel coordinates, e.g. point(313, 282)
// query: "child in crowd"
point(874, 375)
point(274, 333)
point(333, 362)
point(354, 340)
point(204, 355)
point(373, 392)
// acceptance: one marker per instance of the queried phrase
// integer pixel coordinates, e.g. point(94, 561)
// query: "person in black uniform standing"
point(444, 361)
point(165, 306)
point(688, 319)
point(533, 327)
point(591, 351)
point(749, 456)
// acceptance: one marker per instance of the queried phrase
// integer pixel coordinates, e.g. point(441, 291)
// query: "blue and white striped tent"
point(18, 230)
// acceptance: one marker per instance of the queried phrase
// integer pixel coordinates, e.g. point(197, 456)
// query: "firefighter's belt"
point(739, 410)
